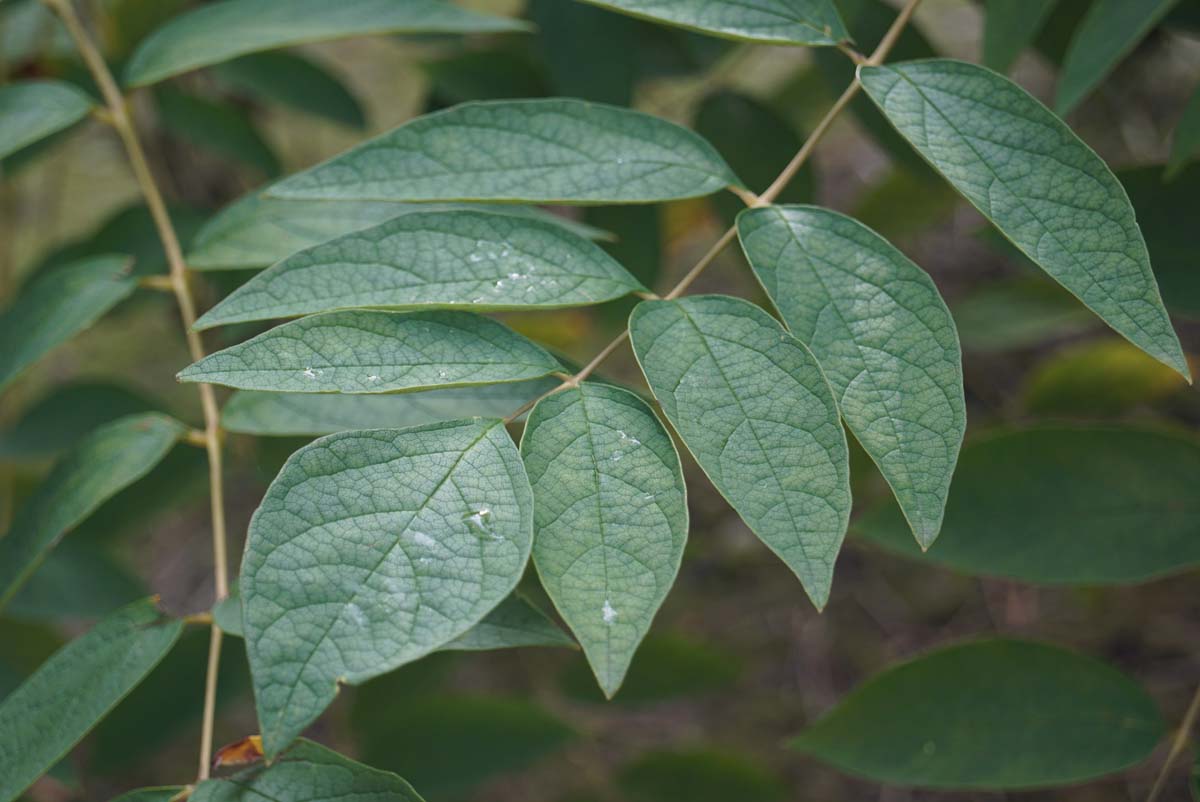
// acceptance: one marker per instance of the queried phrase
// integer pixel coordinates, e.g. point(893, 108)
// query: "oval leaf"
point(376, 352)
point(751, 404)
point(72, 691)
point(957, 717)
point(58, 305)
point(537, 151)
point(300, 414)
point(1061, 506)
point(479, 260)
point(1037, 182)
point(307, 771)
point(789, 22)
point(884, 337)
point(218, 32)
point(372, 549)
point(33, 110)
point(610, 515)
point(110, 459)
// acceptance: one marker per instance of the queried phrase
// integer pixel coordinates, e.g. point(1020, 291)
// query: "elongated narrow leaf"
point(300, 414)
point(611, 517)
point(960, 717)
point(372, 549)
point(376, 352)
point(72, 691)
point(307, 771)
point(294, 81)
point(1065, 507)
point(1011, 27)
point(790, 22)
point(1185, 141)
point(884, 337)
point(221, 31)
point(537, 151)
point(751, 404)
point(216, 126)
point(478, 260)
point(106, 461)
point(1037, 182)
point(1109, 31)
point(57, 306)
point(33, 110)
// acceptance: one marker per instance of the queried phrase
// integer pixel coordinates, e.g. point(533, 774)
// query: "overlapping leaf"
point(1009, 28)
point(791, 22)
point(1060, 506)
point(372, 549)
point(105, 462)
point(216, 33)
point(611, 517)
point(294, 81)
point(537, 151)
point(751, 404)
point(55, 707)
point(994, 714)
point(58, 305)
point(376, 352)
point(299, 414)
point(1037, 182)
point(444, 259)
point(884, 338)
point(33, 110)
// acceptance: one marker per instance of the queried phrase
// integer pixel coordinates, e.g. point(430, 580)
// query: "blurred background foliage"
point(738, 661)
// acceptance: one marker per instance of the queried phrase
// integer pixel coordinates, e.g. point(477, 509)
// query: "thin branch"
point(765, 199)
point(119, 112)
point(1177, 746)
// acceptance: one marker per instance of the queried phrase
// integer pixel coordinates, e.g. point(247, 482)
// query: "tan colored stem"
point(1179, 743)
point(119, 112)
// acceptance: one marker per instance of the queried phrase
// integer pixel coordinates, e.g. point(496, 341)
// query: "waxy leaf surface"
point(33, 110)
point(785, 22)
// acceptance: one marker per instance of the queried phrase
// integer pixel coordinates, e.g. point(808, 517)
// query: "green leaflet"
point(299, 414)
point(538, 151)
point(751, 404)
point(294, 81)
point(161, 794)
point(445, 259)
point(72, 691)
point(33, 110)
point(372, 549)
point(883, 336)
point(791, 22)
point(699, 775)
point(222, 31)
point(959, 717)
point(106, 461)
point(1108, 32)
point(376, 352)
point(256, 231)
point(60, 418)
point(216, 126)
point(1011, 27)
point(1185, 141)
point(610, 515)
point(76, 582)
point(308, 772)
point(56, 306)
point(1058, 506)
point(1037, 182)
point(515, 622)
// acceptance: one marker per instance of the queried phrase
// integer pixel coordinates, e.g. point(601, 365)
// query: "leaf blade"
point(1009, 29)
point(1038, 183)
point(705, 354)
point(33, 110)
point(793, 22)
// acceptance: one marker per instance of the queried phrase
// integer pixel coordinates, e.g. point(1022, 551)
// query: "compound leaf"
point(58, 305)
point(610, 516)
point(219, 32)
point(538, 151)
point(957, 717)
point(787, 22)
point(374, 548)
point(752, 405)
point(33, 110)
point(1026, 171)
point(884, 337)
point(72, 691)
point(103, 463)
point(443, 259)
point(376, 352)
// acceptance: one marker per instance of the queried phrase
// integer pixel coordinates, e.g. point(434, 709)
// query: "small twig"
point(1177, 746)
point(746, 196)
point(158, 283)
point(851, 53)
